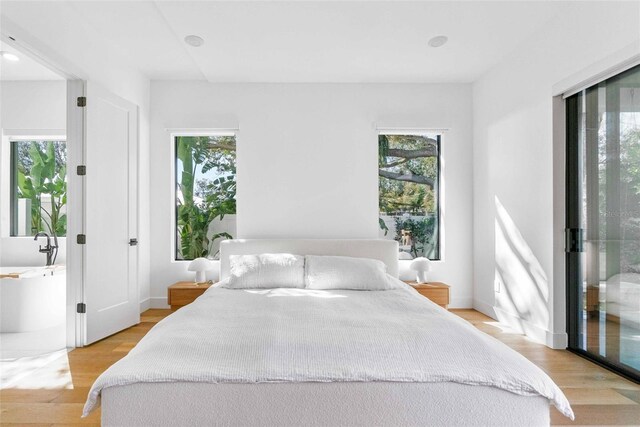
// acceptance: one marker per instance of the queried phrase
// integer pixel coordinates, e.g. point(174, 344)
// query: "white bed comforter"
point(301, 335)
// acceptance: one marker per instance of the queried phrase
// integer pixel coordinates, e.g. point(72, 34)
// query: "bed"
point(622, 299)
point(291, 357)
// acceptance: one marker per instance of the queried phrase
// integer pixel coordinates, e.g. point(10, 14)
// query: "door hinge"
point(81, 239)
point(82, 101)
point(81, 170)
point(574, 238)
point(81, 307)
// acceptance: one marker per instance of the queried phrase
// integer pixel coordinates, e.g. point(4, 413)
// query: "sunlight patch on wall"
point(521, 285)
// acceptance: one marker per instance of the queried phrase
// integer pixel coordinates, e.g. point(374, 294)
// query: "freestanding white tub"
point(35, 300)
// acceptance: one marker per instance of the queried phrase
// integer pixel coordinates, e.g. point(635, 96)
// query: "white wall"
point(514, 252)
point(307, 162)
point(34, 105)
point(37, 108)
point(57, 31)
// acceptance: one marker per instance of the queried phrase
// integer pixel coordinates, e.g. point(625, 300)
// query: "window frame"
point(6, 175)
point(173, 135)
point(439, 187)
point(13, 190)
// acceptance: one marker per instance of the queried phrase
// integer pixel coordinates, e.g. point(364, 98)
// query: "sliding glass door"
point(603, 221)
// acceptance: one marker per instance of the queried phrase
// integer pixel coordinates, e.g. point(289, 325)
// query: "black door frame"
point(574, 239)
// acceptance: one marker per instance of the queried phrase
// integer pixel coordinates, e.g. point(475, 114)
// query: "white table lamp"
point(421, 266)
point(200, 266)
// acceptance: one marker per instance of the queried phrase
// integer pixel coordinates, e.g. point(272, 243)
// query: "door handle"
point(133, 242)
point(574, 240)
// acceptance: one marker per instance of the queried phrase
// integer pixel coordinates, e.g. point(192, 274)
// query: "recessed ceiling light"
point(195, 41)
point(10, 56)
point(438, 41)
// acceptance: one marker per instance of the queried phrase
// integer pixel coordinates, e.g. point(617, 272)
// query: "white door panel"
point(111, 288)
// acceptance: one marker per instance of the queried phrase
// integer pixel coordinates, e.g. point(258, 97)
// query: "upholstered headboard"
point(383, 250)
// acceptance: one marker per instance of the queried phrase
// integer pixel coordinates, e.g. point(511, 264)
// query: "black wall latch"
point(574, 240)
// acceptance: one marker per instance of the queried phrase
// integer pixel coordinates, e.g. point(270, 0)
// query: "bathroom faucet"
point(49, 250)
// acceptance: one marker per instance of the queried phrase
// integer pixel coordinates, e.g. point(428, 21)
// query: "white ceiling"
point(24, 69)
point(297, 41)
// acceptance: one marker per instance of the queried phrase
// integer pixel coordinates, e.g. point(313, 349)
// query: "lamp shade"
point(421, 266)
point(200, 266)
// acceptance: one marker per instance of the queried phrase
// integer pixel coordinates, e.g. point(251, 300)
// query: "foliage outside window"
point(205, 194)
point(38, 187)
point(408, 198)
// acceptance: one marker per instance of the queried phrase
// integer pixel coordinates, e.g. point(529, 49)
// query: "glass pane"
point(38, 188)
point(205, 194)
point(408, 194)
point(610, 146)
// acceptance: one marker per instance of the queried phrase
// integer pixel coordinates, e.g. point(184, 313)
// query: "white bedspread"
point(301, 335)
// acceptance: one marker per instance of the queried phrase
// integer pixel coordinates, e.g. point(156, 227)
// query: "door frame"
point(75, 134)
point(572, 220)
point(574, 274)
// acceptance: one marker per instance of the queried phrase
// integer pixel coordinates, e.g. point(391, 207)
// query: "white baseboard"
point(159, 302)
point(520, 325)
point(145, 305)
point(484, 308)
point(541, 335)
point(557, 340)
point(535, 332)
point(465, 302)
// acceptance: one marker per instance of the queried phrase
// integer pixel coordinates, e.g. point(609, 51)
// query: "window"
point(38, 187)
point(408, 197)
point(205, 194)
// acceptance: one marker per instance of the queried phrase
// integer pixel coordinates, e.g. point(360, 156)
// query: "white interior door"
point(111, 214)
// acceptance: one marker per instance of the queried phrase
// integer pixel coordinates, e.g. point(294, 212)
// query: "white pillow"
point(339, 272)
point(266, 271)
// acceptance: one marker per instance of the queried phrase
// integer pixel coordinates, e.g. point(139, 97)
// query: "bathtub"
point(32, 298)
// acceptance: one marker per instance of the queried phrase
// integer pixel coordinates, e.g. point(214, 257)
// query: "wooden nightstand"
point(183, 293)
point(437, 292)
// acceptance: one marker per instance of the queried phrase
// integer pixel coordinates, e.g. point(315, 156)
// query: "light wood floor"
point(598, 396)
